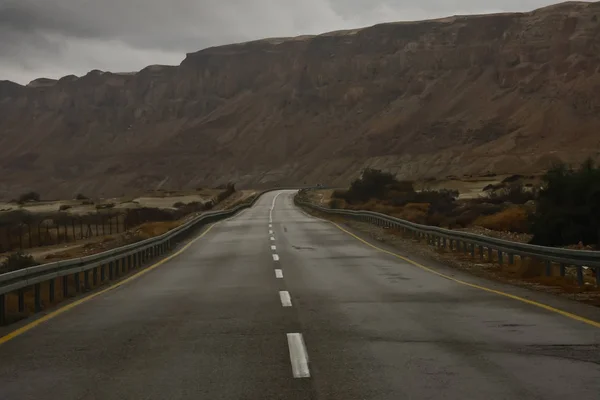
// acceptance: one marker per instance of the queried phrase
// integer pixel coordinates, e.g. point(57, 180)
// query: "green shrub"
point(17, 261)
point(336, 203)
point(29, 197)
point(339, 194)
point(568, 208)
point(229, 190)
point(372, 184)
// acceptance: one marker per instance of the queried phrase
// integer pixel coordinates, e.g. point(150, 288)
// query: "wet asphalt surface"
point(210, 324)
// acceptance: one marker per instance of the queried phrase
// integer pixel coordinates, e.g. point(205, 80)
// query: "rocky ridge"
point(503, 93)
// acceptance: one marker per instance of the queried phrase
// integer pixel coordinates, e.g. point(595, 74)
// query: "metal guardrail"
point(469, 242)
point(102, 267)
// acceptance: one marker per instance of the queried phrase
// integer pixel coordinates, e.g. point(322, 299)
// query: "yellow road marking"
point(498, 292)
point(63, 309)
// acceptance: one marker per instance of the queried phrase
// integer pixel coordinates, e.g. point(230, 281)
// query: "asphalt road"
point(307, 312)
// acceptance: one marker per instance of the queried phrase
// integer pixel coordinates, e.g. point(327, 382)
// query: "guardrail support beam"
point(37, 297)
point(65, 286)
point(51, 290)
point(580, 281)
point(548, 268)
point(473, 250)
point(76, 277)
point(563, 270)
point(95, 277)
point(490, 254)
point(511, 258)
point(21, 295)
point(2, 309)
point(500, 257)
point(86, 280)
point(111, 273)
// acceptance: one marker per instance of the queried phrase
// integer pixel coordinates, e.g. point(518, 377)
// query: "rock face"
point(504, 93)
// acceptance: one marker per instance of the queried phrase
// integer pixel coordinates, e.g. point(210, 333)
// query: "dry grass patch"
point(152, 229)
point(513, 219)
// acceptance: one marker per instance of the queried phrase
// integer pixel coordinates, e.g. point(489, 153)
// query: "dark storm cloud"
point(57, 37)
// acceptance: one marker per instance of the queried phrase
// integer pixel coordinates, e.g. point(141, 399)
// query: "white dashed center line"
point(273, 248)
point(270, 225)
point(298, 355)
point(272, 238)
point(270, 232)
point(278, 274)
point(275, 257)
point(286, 300)
point(272, 207)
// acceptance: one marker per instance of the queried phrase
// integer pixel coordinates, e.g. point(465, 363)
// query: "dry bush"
point(16, 261)
point(513, 219)
point(423, 207)
point(152, 229)
point(415, 215)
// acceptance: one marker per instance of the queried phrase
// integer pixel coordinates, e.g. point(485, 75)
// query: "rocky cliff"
point(505, 93)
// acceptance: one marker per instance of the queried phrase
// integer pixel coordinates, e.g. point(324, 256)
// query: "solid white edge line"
point(278, 274)
point(286, 300)
point(273, 248)
point(298, 355)
point(275, 257)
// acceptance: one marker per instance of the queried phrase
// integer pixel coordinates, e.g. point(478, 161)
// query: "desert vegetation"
point(564, 210)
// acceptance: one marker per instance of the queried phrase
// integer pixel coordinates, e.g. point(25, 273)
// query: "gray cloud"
point(52, 38)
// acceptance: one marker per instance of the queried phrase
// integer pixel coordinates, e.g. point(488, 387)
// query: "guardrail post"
point(579, 275)
point(2, 309)
point(481, 252)
point(444, 243)
point(21, 294)
point(548, 268)
point(102, 272)
point(500, 257)
point(95, 276)
point(111, 273)
point(76, 276)
point(563, 270)
point(37, 297)
point(86, 279)
point(451, 244)
point(473, 250)
point(511, 259)
point(51, 290)
point(65, 285)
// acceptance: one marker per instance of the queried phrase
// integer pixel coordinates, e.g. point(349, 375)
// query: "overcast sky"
point(53, 38)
